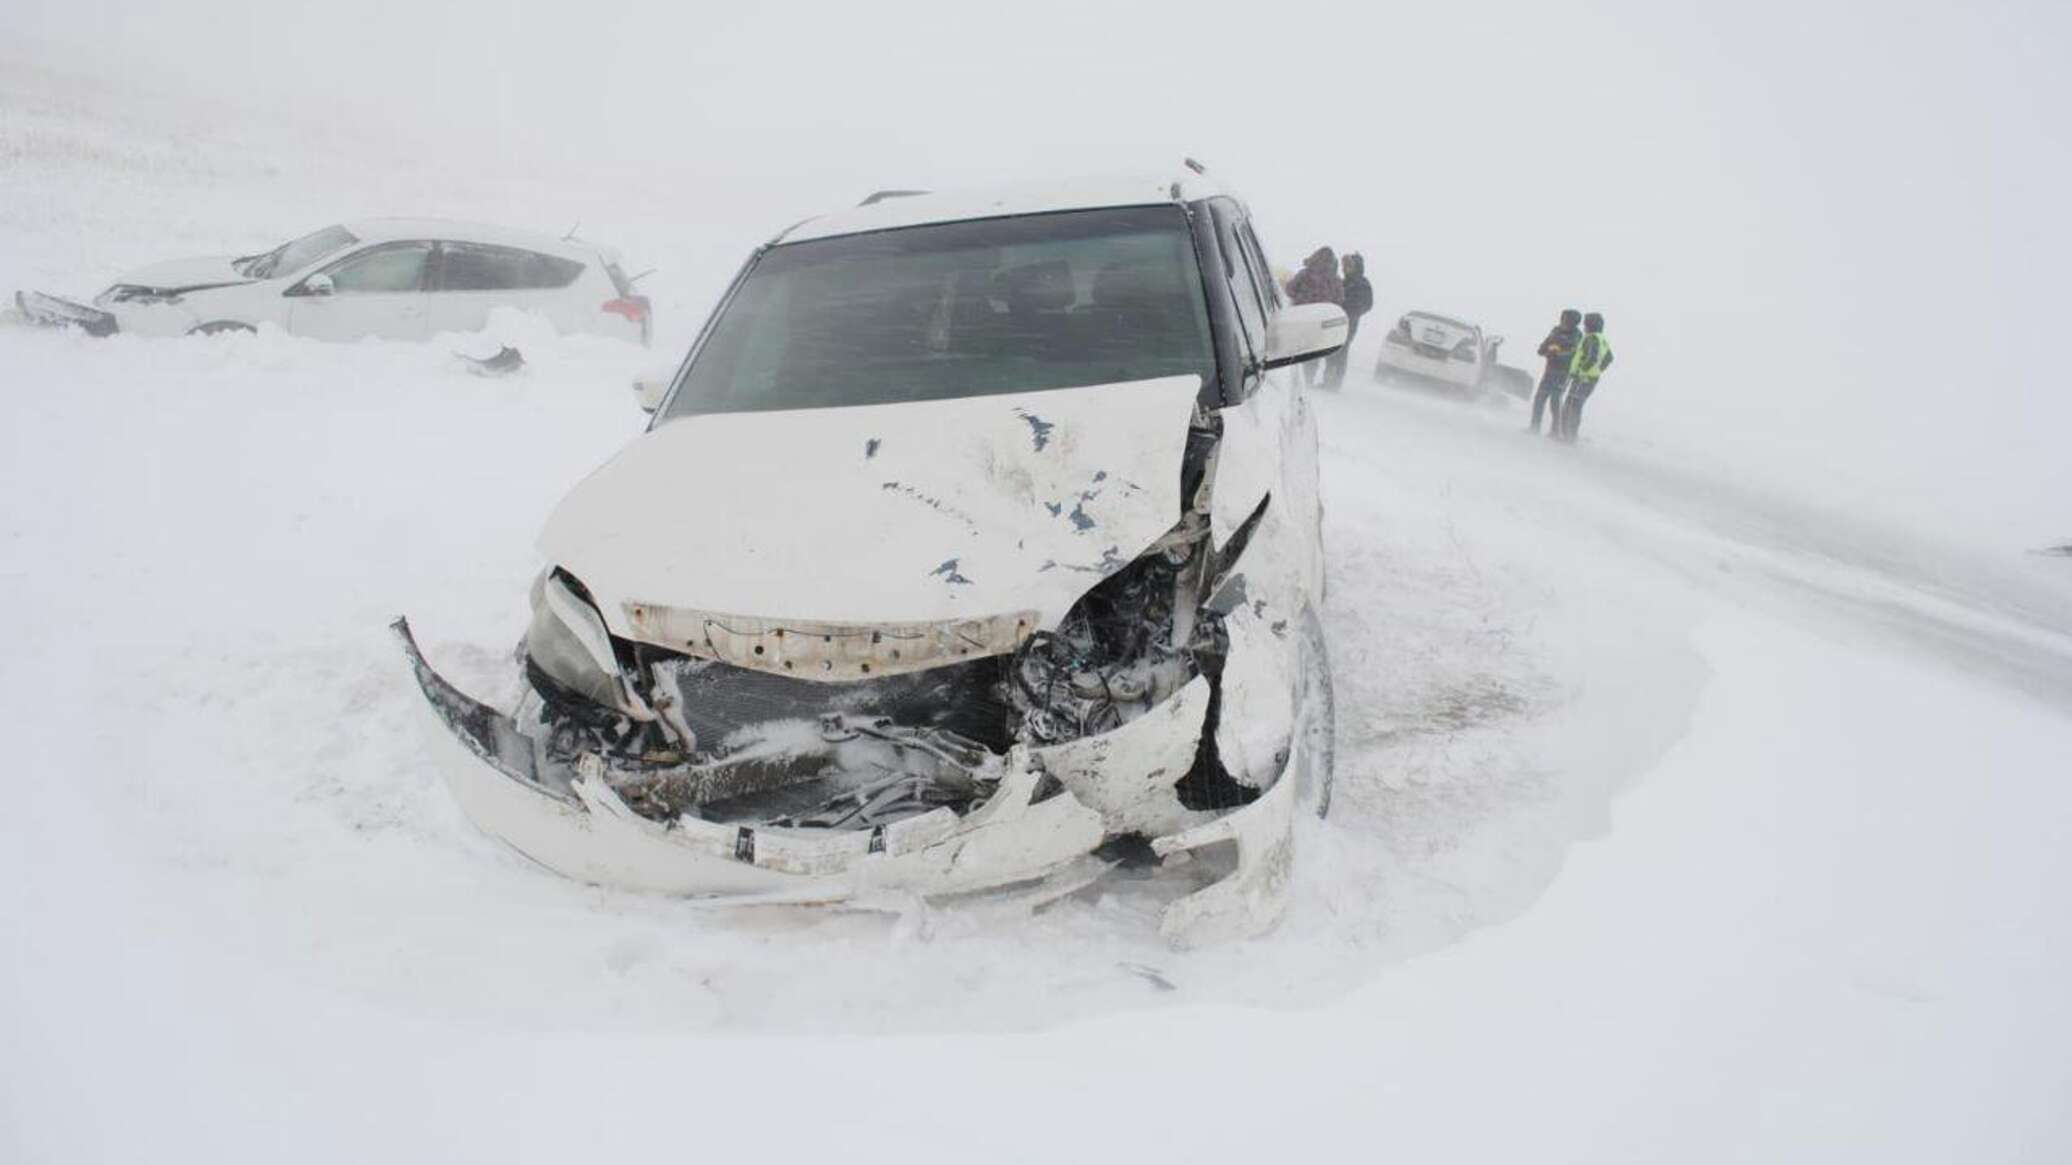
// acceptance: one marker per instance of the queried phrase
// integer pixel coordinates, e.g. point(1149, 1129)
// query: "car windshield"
point(960, 309)
point(296, 254)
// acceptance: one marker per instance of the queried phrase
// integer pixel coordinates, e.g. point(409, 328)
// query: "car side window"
point(391, 267)
point(1244, 287)
point(481, 267)
point(1255, 269)
point(1261, 268)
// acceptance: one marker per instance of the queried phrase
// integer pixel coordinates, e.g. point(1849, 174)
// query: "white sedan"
point(397, 279)
point(1430, 347)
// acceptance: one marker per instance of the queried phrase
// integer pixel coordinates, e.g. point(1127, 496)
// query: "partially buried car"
point(1427, 347)
point(973, 548)
point(397, 279)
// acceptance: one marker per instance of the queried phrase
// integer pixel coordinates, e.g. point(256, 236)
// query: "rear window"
point(479, 267)
point(1436, 329)
point(958, 309)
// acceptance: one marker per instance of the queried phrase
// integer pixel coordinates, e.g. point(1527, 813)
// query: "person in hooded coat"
point(1557, 348)
point(1317, 282)
point(1358, 301)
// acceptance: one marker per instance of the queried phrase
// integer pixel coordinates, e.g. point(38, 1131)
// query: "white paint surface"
point(857, 515)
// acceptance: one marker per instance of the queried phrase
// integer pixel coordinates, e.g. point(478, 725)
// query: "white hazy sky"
point(1827, 224)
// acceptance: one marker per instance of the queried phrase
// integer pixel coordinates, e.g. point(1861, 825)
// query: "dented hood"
point(181, 274)
point(917, 511)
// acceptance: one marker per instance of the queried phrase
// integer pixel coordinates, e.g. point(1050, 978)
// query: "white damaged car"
point(1428, 347)
point(974, 547)
point(396, 279)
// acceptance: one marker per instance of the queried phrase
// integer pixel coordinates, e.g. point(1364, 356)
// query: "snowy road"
point(1677, 820)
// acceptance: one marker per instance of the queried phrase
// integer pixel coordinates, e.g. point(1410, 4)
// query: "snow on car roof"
point(1041, 197)
point(381, 230)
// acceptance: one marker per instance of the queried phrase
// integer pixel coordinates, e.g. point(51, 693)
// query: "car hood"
point(185, 274)
point(910, 512)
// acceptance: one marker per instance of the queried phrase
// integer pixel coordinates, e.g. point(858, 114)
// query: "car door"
point(1269, 446)
point(378, 291)
point(1265, 465)
point(471, 280)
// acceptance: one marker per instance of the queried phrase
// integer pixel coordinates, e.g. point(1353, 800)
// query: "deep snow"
point(1677, 817)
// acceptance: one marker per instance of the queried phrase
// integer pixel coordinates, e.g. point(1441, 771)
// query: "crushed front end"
point(795, 760)
point(50, 311)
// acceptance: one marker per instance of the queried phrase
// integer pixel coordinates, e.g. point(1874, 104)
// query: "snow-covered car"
point(398, 279)
point(974, 547)
point(1430, 347)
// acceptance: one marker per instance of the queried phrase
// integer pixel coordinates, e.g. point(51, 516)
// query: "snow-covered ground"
point(1677, 819)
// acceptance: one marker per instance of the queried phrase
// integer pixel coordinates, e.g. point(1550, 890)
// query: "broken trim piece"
point(52, 312)
point(812, 649)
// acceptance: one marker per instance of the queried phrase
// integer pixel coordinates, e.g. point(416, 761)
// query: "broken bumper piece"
point(1030, 841)
point(52, 312)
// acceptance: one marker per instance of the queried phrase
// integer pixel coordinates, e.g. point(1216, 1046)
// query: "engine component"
point(1124, 648)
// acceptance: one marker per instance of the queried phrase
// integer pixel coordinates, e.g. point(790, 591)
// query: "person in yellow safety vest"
point(1592, 356)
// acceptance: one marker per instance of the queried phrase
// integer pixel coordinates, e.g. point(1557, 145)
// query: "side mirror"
point(318, 284)
point(1304, 331)
point(651, 386)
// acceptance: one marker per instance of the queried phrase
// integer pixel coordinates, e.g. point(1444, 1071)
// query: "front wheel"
point(1316, 716)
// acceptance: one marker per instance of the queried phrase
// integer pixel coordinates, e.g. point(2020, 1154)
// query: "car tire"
point(1316, 715)
point(220, 327)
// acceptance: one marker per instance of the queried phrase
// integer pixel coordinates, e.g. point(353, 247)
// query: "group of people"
point(1324, 278)
point(1576, 358)
point(1576, 352)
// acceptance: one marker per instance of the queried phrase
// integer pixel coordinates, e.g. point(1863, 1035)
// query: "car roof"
point(383, 230)
point(1043, 197)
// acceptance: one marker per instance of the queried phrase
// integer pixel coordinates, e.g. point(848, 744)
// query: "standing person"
point(1593, 355)
point(1558, 348)
point(1358, 301)
point(1317, 282)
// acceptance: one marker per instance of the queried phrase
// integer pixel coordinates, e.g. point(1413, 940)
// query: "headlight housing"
point(569, 643)
point(132, 293)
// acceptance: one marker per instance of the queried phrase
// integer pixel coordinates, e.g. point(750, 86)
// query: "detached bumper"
point(52, 312)
point(1031, 837)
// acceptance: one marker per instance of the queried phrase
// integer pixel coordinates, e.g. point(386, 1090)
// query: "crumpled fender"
point(1128, 774)
point(1251, 900)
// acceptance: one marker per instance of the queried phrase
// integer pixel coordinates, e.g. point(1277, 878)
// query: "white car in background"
point(974, 547)
point(1430, 347)
point(396, 279)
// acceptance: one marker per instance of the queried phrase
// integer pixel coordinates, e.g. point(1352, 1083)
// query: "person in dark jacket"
point(1592, 356)
point(1358, 301)
point(1317, 282)
point(1556, 349)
